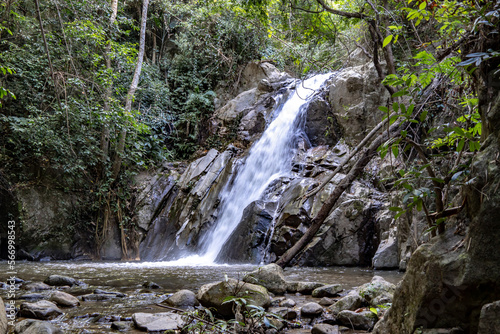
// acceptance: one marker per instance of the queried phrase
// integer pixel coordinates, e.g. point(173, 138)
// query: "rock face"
point(30, 326)
point(355, 96)
point(158, 322)
point(42, 309)
point(269, 276)
point(214, 294)
point(3, 318)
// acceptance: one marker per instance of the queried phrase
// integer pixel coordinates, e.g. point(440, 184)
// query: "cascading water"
point(269, 158)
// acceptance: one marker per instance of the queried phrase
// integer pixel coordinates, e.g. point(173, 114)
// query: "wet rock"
point(284, 312)
point(325, 301)
point(327, 291)
point(489, 320)
point(3, 318)
point(304, 288)
point(42, 309)
point(36, 286)
point(269, 276)
point(377, 292)
point(97, 297)
point(352, 301)
point(387, 255)
point(320, 124)
point(325, 329)
point(57, 280)
point(311, 309)
point(64, 299)
point(364, 320)
point(151, 285)
point(213, 295)
point(114, 293)
point(157, 322)
point(288, 303)
point(183, 299)
point(247, 242)
point(121, 326)
point(30, 326)
point(32, 296)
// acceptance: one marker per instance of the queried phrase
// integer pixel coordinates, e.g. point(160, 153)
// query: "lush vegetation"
point(66, 66)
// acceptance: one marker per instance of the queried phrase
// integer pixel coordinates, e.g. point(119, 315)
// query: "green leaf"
point(395, 106)
point(400, 93)
point(395, 208)
point(423, 115)
point(387, 40)
point(395, 150)
point(461, 144)
point(384, 109)
point(422, 5)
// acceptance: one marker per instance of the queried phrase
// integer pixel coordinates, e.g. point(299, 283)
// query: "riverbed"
point(129, 278)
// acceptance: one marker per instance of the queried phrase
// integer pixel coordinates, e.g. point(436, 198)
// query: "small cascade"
point(269, 158)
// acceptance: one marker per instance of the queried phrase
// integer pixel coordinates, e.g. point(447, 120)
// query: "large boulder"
point(3, 318)
point(183, 299)
point(387, 255)
point(158, 322)
point(311, 310)
point(269, 276)
point(489, 320)
point(42, 309)
point(30, 326)
point(215, 294)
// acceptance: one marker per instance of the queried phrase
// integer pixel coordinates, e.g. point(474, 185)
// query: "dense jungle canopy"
point(93, 91)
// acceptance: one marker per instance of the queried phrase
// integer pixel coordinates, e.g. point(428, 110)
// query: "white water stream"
point(269, 158)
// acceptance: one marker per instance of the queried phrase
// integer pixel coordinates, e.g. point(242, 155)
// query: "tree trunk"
point(323, 213)
point(130, 95)
point(105, 128)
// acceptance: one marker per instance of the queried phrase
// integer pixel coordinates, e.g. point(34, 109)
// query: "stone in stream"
point(184, 299)
point(214, 294)
point(158, 322)
point(352, 301)
point(30, 326)
point(151, 285)
point(288, 303)
point(304, 288)
point(311, 309)
point(326, 301)
point(112, 293)
point(377, 292)
point(364, 320)
point(58, 280)
point(36, 286)
point(331, 290)
point(32, 296)
point(121, 326)
point(64, 299)
point(325, 329)
point(42, 309)
point(3, 318)
point(269, 276)
point(284, 312)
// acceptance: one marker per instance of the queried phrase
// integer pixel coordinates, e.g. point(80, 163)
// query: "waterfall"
point(269, 158)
